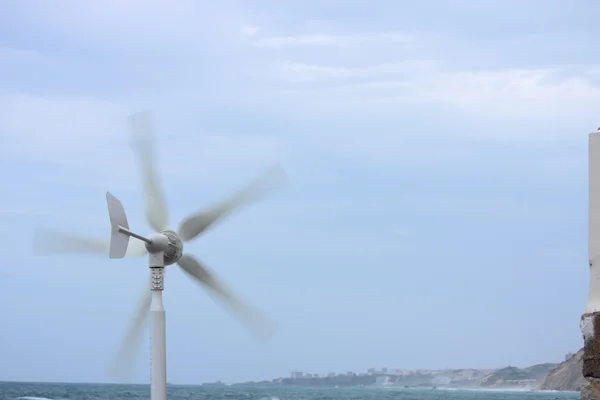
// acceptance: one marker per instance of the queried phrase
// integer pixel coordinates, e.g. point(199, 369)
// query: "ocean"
point(59, 391)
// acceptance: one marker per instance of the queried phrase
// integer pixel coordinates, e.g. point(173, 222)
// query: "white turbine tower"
point(165, 247)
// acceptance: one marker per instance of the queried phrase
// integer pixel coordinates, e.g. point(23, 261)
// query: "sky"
point(436, 209)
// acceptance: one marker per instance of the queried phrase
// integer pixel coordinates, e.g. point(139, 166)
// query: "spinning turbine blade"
point(122, 366)
point(50, 243)
point(142, 132)
point(195, 224)
point(257, 323)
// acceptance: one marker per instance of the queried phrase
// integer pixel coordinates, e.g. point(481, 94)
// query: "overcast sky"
point(435, 214)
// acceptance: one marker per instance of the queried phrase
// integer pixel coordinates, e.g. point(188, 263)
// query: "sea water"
point(58, 391)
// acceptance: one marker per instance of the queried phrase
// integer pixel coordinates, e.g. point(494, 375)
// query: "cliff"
point(566, 375)
point(511, 377)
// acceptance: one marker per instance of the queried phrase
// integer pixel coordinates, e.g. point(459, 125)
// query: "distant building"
point(382, 380)
point(297, 375)
point(331, 375)
point(372, 371)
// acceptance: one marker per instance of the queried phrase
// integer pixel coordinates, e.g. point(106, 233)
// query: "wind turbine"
point(165, 247)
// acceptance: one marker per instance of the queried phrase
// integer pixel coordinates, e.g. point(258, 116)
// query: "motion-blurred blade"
point(141, 126)
point(122, 366)
point(47, 243)
point(257, 323)
point(195, 224)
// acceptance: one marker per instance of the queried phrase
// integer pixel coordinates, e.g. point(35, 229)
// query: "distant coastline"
point(565, 376)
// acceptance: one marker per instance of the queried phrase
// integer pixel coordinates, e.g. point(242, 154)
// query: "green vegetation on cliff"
point(511, 376)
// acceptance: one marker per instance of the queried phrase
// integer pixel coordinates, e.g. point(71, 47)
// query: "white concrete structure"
point(593, 302)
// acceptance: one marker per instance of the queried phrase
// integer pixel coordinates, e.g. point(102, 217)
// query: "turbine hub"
point(167, 242)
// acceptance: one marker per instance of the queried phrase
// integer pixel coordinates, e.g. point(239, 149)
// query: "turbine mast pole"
point(590, 320)
point(158, 384)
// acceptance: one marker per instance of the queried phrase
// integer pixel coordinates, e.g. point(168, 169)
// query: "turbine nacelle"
point(169, 243)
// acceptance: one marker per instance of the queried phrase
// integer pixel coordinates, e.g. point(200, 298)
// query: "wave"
point(32, 398)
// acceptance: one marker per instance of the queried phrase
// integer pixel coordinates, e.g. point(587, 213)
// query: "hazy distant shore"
point(565, 376)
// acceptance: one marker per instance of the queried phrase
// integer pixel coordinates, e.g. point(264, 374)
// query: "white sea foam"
point(33, 398)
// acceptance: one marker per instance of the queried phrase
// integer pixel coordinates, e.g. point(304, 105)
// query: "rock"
point(567, 375)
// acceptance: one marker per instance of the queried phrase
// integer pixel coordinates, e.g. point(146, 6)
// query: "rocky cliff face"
point(567, 375)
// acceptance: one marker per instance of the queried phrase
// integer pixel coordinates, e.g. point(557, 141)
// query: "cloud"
point(298, 74)
point(331, 40)
point(90, 132)
point(400, 232)
point(115, 25)
point(418, 84)
point(53, 124)
point(22, 211)
point(250, 30)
